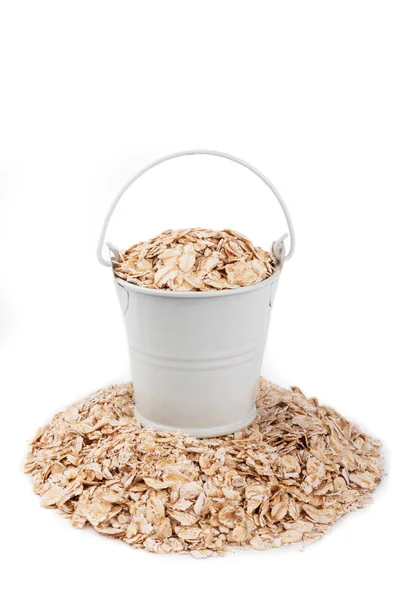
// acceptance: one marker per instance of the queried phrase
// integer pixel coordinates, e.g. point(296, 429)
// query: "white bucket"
point(196, 356)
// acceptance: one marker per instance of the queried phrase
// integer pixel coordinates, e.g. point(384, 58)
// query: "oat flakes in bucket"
point(195, 260)
point(196, 305)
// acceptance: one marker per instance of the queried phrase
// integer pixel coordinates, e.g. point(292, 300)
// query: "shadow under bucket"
point(196, 356)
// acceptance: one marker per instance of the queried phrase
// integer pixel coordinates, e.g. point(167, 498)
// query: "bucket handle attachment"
point(279, 246)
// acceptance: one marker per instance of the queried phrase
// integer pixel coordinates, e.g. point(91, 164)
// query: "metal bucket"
point(196, 356)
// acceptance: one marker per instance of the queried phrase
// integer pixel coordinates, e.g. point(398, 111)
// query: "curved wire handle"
point(279, 247)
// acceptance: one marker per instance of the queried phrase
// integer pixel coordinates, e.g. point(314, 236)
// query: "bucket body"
point(196, 356)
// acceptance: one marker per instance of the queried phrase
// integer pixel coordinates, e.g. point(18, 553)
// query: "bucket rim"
point(199, 294)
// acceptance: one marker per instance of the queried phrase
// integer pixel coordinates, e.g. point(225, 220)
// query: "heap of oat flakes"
point(195, 260)
point(288, 477)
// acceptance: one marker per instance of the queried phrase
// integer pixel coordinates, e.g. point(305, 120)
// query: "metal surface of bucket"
point(196, 356)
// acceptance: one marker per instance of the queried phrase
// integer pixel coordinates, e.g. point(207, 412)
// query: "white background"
point(306, 91)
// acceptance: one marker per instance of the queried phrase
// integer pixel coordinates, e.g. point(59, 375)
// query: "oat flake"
point(286, 478)
point(195, 260)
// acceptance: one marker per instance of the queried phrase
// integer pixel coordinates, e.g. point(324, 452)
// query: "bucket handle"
point(279, 247)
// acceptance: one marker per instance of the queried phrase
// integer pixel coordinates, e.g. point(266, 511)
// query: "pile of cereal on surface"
point(287, 477)
point(195, 260)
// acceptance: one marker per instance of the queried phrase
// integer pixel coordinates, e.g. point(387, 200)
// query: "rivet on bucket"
point(196, 356)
